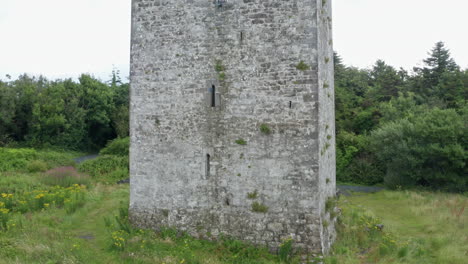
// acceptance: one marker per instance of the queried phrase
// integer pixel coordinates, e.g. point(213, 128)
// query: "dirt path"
point(85, 158)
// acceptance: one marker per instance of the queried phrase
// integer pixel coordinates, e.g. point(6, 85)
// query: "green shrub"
point(15, 159)
point(18, 159)
point(36, 166)
point(106, 166)
point(426, 150)
point(355, 162)
point(118, 146)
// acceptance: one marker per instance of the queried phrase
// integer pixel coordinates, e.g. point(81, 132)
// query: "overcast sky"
point(63, 38)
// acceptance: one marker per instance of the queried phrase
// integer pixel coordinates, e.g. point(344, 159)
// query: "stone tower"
point(232, 119)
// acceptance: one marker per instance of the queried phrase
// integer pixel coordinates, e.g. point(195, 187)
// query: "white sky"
point(63, 38)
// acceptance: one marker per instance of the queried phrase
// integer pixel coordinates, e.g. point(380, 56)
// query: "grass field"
point(82, 218)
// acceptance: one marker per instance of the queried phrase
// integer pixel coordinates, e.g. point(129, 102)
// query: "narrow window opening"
point(290, 104)
point(213, 96)
point(241, 36)
point(227, 202)
point(207, 165)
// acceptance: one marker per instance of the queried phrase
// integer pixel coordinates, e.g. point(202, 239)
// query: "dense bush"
point(37, 166)
point(15, 159)
point(22, 159)
point(107, 167)
point(118, 146)
point(428, 150)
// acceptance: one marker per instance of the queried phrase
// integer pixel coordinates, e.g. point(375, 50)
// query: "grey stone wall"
point(187, 170)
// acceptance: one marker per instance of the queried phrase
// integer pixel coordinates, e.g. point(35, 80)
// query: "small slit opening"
point(208, 165)
point(213, 96)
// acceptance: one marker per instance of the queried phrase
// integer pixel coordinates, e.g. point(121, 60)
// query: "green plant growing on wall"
point(302, 66)
point(252, 195)
point(330, 204)
point(241, 141)
point(219, 66)
point(326, 85)
point(222, 76)
point(327, 59)
point(259, 207)
point(265, 129)
point(285, 251)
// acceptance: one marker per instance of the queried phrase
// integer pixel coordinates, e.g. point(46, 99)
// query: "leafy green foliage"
point(428, 150)
point(36, 166)
point(21, 159)
point(118, 147)
point(389, 123)
point(106, 167)
point(42, 113)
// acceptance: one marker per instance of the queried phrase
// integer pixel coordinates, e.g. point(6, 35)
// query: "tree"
point(434, 82)
point(427, 149)
point(98, 102)
point(385, 82)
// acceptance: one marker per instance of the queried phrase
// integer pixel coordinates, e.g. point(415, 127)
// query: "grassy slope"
point(428, 227)
point(53, 236)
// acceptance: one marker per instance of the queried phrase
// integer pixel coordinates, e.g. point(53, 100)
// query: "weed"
point(285, 251)
point(326, 85)
point(252, 195)
point(330, 204)
point(302, 66)
point(265, 129)
point(259, 208)
point(241, 141)
point(327, 59)
point(219, 66)
point(222, 76)
point(325, 224)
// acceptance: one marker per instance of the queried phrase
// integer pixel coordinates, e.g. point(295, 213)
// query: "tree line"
point(403, 129)
point(78, 115)
point(393, 127)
